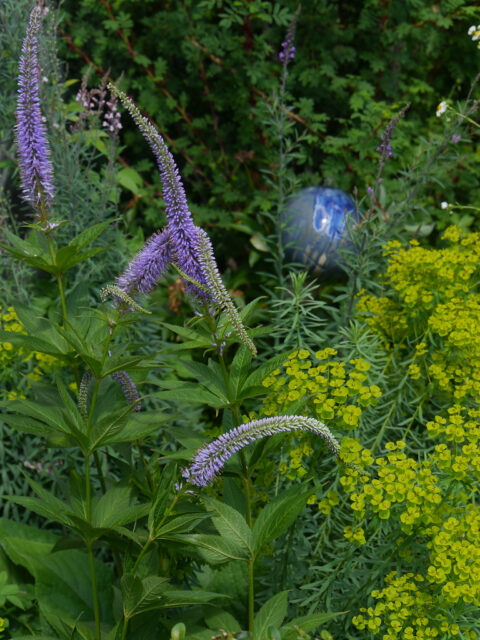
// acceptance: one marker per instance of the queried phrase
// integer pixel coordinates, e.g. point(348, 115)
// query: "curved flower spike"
point(182, 231)
point(36, 170)
point(129, 389)
point(218, 291)
point(210, 459)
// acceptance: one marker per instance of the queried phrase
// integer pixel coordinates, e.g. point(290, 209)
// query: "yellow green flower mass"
point(431, 294)
point(321, 386)
point(328, 388)
point(12, 356)
point(433, 502)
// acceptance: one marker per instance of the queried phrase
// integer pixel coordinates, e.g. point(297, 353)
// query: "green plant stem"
point(100, 472)
point(248, 518)
point(59, 280)
point(145, 464)
point(88, 488)
point(88, 499)
point(96, 601)
point(125, 627)
point(152, 539)
point(246, 484)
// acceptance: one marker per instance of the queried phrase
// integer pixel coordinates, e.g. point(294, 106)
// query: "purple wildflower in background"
point(210, 459)
point(147, 266)
point(288, 48)
point(385, 149)
point(456, 137)
point(181, 229)
point(36, 171)
point(129, 389)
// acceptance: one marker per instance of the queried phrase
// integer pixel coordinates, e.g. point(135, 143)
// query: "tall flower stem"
point(96, 601)
point(88, 501)
point(251, 562)
point(246, 486)
point(59, 279)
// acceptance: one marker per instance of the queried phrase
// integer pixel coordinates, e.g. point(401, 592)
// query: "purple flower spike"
point(210, 459)
point(36, 171)
point(147, 266)
point(129, 389)
point(181, 229)
point(287, 52)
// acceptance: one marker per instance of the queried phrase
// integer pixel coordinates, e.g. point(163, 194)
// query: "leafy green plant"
point(119, 526)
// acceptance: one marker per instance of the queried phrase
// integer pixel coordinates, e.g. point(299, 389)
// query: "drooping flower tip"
point(210, 459)
point(36, 170)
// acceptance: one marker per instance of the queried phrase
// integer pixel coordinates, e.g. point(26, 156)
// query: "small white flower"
point(476, 35)
point(442, 107)
point(444, 205)
point(471, 29)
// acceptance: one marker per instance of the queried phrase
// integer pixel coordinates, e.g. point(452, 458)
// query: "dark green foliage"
point(115, 546)
point(206, 72)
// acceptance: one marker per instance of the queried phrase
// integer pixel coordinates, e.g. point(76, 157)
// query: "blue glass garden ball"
point(315, 227)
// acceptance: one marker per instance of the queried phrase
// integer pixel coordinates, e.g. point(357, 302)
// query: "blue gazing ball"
point(315, 227)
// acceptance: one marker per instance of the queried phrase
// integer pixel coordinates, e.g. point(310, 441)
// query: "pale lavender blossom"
point(111, 117)
point(456, 137)
point(147, 266)
point(36, 170)
point(129, 389)
point(181, 229)
point(210, 459)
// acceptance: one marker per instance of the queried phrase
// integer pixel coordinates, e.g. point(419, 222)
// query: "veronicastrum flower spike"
point(219, 293)
point(147, 266)
point(182, 232)
point(129, 389)
point(83, 394)
point(210, 459)
point(36, 170)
